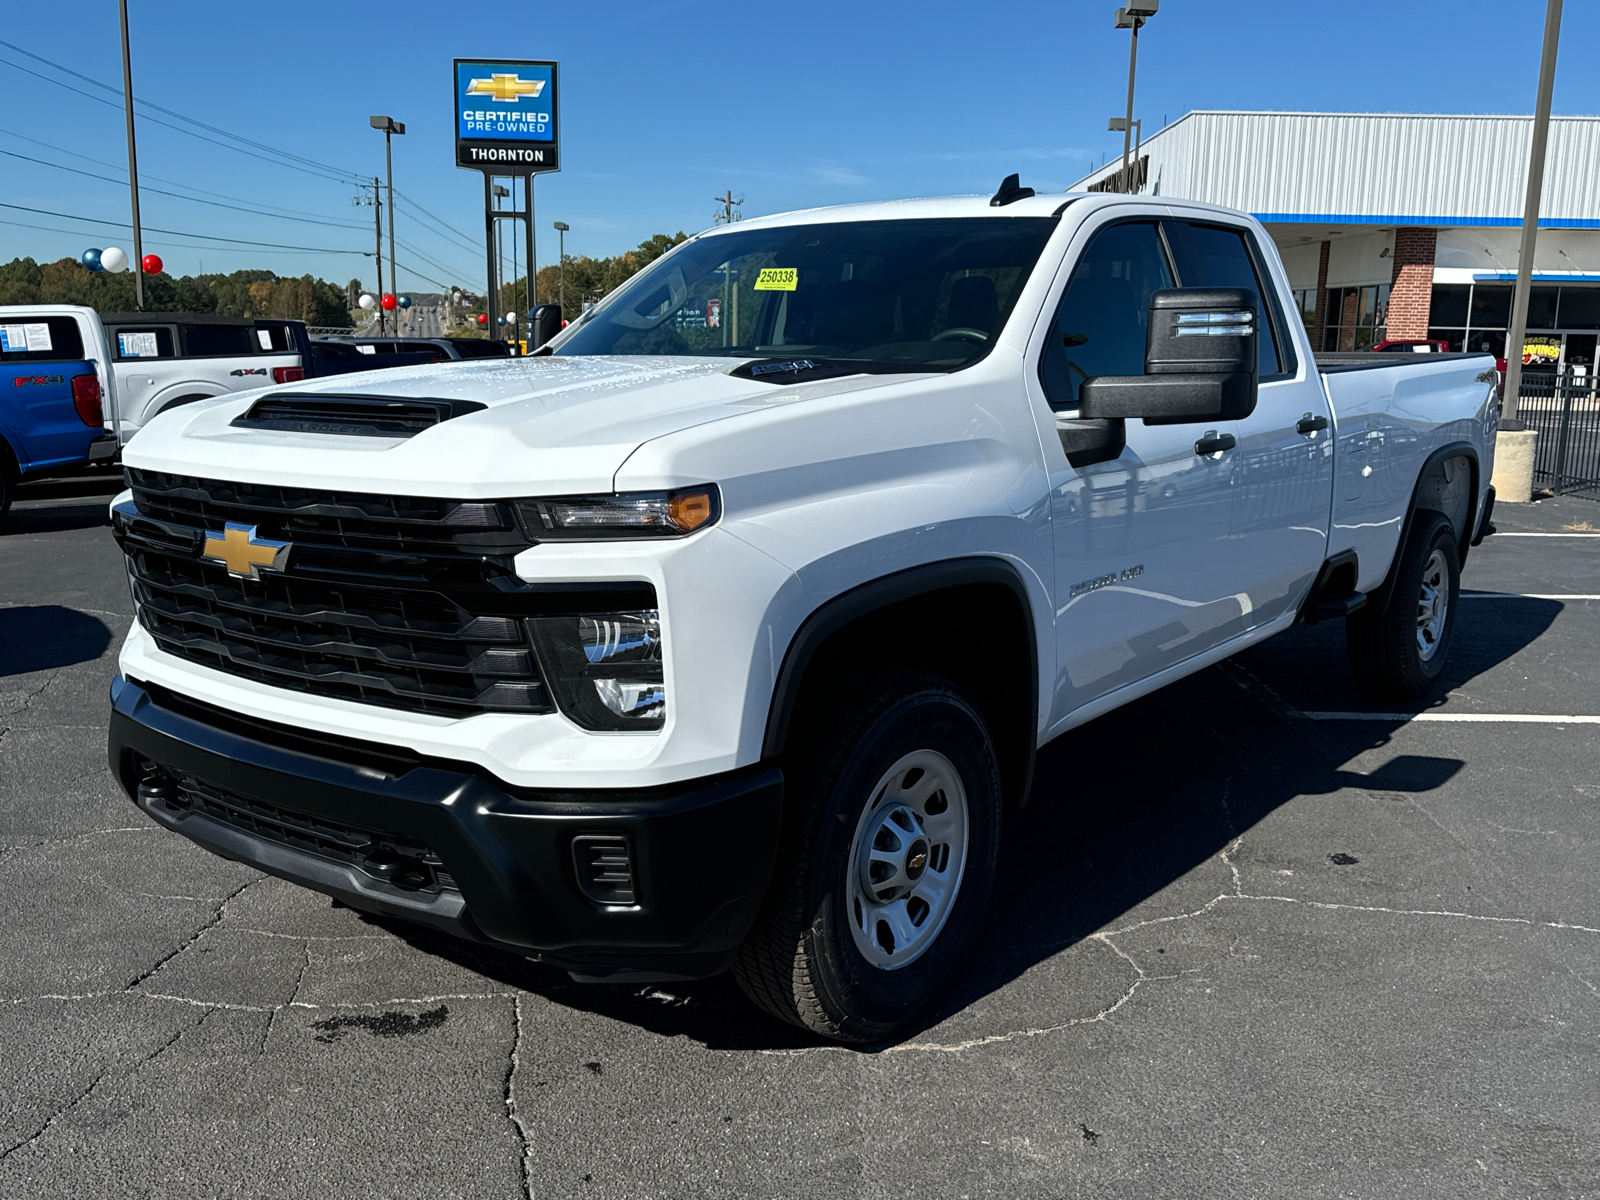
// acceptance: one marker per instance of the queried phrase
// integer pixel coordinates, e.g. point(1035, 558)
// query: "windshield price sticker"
point(138, 345)
point(777, 279)
point(31, 338)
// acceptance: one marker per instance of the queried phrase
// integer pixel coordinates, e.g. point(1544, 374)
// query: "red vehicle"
point(1414, 345)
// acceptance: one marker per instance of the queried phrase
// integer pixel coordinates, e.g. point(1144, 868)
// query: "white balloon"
point(511, 318)
point(113, 259)
point(367, 301)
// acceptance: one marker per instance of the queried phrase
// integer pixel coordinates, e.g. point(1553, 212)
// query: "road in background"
point(1234, 951)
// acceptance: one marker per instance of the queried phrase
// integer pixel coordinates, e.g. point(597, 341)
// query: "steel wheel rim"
point(1433, 603)
point(907, 859)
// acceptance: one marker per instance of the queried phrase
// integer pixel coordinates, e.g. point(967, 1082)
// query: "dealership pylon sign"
point(507, 116)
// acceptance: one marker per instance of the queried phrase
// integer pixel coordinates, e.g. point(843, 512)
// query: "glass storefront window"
point(1491, 307)
point(1580, 308)
point(1449, 304)
point(1455, 337)
point(1541, 308)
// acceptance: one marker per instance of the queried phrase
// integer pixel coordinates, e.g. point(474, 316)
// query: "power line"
point(116, 91)
point(344, 179)
point(178, 245)
point(179, 233)
point(448, 229)
point(275, 208)
point(191, 199)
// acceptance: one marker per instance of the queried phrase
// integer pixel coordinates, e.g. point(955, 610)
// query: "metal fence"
point(1565, 409)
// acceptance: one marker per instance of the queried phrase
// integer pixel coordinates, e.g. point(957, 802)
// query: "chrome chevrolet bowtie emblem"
point(508, 89)
point(244, 554)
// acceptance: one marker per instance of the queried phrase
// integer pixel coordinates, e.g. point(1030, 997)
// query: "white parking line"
point(1527, 596)
point(1477, 718)
point(1547, 535)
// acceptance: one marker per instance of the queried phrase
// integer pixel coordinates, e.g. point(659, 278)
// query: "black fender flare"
point(866, 598)
point(1379, 597)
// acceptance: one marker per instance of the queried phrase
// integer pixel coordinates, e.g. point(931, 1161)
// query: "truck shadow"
point(48, 636)
point(1121, 809)
point(76, 501)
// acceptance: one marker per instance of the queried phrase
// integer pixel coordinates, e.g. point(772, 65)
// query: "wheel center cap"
point(916, 859)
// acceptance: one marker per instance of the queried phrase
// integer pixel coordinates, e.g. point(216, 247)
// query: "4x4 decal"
point(249, 371)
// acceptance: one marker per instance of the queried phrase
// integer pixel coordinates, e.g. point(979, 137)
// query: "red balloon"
point(151, 264)
point(389, 302)
point(483, 318)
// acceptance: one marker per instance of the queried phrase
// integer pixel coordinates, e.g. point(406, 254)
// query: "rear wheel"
point(1400, 653)
point(8, 480)
point(892, 820)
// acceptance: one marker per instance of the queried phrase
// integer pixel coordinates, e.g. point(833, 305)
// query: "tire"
point(900, 765)
point(8, 481)
point(1399, 653)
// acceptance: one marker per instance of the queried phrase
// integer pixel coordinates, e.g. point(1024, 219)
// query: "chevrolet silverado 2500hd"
point(724, 633)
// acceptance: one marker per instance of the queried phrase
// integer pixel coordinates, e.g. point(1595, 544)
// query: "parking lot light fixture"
point(390, 127)
point(1131, 17)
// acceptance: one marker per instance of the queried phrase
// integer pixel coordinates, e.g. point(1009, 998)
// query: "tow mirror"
point(1200, 362)
point(546, 324)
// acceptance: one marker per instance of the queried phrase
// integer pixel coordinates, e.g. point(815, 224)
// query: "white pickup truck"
point(150, 362)
point(724, 632)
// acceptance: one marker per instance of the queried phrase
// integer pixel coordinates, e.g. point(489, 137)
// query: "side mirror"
point(1200, 362)
point(546, 324)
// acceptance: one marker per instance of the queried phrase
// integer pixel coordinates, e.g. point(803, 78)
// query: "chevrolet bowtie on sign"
point(506, 118)
point(244, 554)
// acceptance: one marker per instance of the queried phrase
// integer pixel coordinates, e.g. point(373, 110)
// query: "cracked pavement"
point(1233, 952)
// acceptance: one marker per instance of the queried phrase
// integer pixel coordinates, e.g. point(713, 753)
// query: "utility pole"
point(1530, 217)
point(1132, 17)
point(727, 215)
point(133, 161)
point(390, 127)
point(377, 236)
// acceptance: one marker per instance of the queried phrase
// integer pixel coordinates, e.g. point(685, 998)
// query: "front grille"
point(401, 861)
point(394, 601)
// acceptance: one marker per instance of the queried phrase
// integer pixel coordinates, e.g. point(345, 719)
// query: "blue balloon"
point(91, 259)
point(405, 301)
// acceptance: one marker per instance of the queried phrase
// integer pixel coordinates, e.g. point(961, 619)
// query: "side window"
point(143, 343)
point(217, 341)
point(1100, 324)
point(1216, 256)
point(27, 339)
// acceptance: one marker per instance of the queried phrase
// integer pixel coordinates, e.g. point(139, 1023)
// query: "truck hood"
point(553, 425)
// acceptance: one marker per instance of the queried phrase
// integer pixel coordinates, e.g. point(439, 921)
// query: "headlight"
point(635, 515)
point(605, 668)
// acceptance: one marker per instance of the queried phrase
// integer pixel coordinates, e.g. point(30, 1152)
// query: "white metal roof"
point(1374, 168)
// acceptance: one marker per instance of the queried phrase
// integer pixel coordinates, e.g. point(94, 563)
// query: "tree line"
point(586, 279)
point(239, 294)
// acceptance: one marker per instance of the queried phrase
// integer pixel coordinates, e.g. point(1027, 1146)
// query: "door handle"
point(1310, 424)
point(1215, 443)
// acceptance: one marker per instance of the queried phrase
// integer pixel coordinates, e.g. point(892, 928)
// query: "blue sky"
point(667, 104)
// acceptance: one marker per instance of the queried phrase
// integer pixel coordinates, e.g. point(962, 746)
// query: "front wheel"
point(891, 832)
point(1400, 652)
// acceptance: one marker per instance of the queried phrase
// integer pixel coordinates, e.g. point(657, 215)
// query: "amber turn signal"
point(690, 510)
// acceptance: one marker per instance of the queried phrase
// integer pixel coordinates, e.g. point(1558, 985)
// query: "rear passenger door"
point(1280, 474)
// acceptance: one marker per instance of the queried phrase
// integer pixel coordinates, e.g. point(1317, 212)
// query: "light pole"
point(561, 270)
point(133, 162)
point(1530, 217)
point(390, 127)
point(1131, 17)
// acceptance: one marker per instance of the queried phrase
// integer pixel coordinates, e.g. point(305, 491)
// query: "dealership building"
point(1397, 225)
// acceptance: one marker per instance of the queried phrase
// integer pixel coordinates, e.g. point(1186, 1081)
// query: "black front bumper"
point(492, 863)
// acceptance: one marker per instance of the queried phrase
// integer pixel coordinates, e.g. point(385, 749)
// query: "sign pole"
point(491, 303)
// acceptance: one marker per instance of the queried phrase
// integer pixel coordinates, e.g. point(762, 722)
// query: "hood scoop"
point(352, 416)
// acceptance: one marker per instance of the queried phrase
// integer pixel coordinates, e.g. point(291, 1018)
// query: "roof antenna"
point(1010, 191)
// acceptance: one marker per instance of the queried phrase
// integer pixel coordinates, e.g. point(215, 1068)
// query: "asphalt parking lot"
point(1237, 950)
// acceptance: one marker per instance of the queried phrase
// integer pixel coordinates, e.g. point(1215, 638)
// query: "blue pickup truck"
point(53, 384)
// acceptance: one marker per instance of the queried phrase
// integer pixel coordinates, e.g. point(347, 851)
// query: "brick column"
point(1411, 285)
point(1319, 320)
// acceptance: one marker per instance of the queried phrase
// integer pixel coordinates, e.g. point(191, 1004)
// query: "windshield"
point(913, 295)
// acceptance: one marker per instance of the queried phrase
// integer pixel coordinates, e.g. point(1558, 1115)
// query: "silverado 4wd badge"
point(244, 554)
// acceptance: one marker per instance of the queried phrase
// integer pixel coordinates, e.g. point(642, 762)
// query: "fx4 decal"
point(37, 380)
